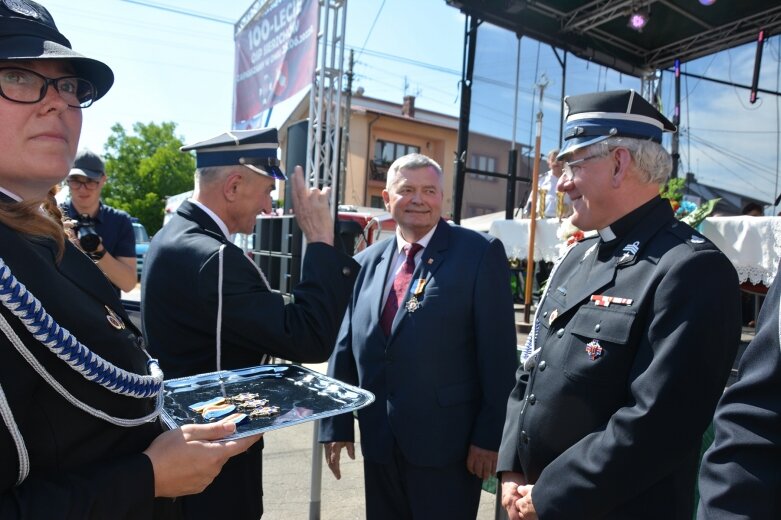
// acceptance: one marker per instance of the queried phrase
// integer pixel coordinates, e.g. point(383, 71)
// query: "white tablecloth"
point(514, 234)
point(753, 244)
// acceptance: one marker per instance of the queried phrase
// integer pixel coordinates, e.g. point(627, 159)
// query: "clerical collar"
point(621, 227)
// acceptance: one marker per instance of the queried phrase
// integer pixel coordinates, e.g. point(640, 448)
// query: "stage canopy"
point(598, 30)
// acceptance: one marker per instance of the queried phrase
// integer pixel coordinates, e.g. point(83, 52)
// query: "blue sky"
point(173, 67)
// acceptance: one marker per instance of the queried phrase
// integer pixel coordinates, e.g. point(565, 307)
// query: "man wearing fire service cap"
point(633, 339)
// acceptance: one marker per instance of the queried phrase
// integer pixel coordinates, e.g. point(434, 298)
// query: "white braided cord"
point(16, 435)
point(22, 304)
point(530, 349)
point(221, 266)
point(218, 332)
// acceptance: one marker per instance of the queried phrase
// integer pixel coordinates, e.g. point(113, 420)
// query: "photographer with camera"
point(105, 234)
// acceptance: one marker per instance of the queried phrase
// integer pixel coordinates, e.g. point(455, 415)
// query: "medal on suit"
point(413, 303)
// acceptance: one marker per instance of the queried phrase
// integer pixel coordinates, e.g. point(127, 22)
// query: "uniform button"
point(542, 365)
point(532, 399)
point(597, 327)
point(560, 333)
point(545, 314)
point(346, 271)
point(524, 437)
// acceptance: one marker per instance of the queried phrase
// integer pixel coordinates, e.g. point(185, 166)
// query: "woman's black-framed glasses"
point(28, 86)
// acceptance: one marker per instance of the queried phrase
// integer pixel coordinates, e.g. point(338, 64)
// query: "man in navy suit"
point(440, 360)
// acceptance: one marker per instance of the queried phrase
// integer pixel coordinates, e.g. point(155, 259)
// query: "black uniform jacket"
point(80, 466)
point(180, 293)
point(741, 472)
point(611, 421)
point(179, 305)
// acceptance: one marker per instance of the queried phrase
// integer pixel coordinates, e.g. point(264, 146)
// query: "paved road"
point(287, 468)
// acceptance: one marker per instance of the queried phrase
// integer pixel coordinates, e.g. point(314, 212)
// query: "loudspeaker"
point(295, 154)
point(278, 242)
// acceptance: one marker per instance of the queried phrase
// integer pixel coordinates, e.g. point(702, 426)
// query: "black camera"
point(85, 232)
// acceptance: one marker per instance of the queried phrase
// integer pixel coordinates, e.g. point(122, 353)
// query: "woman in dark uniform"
point(80, 435)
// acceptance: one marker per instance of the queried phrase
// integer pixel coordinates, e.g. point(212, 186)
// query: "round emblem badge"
point(21, 7)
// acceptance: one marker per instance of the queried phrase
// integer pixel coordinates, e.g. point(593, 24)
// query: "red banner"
point(275, 58)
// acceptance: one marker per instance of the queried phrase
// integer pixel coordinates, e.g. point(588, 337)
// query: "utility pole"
point(541, 84)
point(345, 141)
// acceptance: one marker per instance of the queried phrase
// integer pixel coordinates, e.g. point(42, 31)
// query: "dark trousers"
point(236, 493)
point(402, 491)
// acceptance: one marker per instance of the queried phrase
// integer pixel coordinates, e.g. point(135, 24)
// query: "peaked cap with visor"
point(255, 149)
point(28, 33)
point(592, 118)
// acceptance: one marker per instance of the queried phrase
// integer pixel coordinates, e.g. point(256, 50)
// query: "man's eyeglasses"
point(27, 86)
point(571, 168)
point(89, 184)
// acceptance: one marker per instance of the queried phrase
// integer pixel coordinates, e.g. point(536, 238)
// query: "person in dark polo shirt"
point(115, 253)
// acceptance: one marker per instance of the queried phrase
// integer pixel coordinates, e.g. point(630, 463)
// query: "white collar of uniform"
point(607, 234)
point(214, 217)
point(400, 242)
point(11, 194)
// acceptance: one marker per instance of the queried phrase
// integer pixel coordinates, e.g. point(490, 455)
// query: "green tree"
point(144, 168)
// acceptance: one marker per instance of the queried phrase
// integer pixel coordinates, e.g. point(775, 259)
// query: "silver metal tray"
point(301, 394)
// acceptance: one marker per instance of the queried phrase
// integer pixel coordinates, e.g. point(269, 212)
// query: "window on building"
point(484, 163)
point(377, 202)
point(385, 152)
point(476, 211)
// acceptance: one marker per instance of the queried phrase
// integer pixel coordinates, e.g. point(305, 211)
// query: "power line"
point(371, 29)
point(185, 12)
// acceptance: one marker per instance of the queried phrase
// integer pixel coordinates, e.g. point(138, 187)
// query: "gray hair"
point(653, 162)
point(210, 174)
point(412, 161)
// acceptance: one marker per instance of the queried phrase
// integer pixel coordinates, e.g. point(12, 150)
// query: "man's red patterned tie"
point(399, 288)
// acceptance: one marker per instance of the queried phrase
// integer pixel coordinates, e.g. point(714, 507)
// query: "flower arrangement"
point(686, 210)
point(569, 233)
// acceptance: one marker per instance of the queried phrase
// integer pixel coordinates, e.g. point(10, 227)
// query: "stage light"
point(707, 2)
point(638, 20)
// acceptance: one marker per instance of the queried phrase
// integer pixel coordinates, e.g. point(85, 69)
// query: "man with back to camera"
point(634, 337)
point(197, 283)
point(115, 253)
point(430, 330)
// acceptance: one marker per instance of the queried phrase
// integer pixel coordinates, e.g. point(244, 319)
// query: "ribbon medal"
point(199, 407)
point(413, 303)
point(600, 300)
point(217, 410)
point(594, 349)
point(236, 418)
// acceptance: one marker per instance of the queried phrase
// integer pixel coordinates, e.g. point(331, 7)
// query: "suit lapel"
point(377, 289)
point(589, 279)
point(432, 257)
